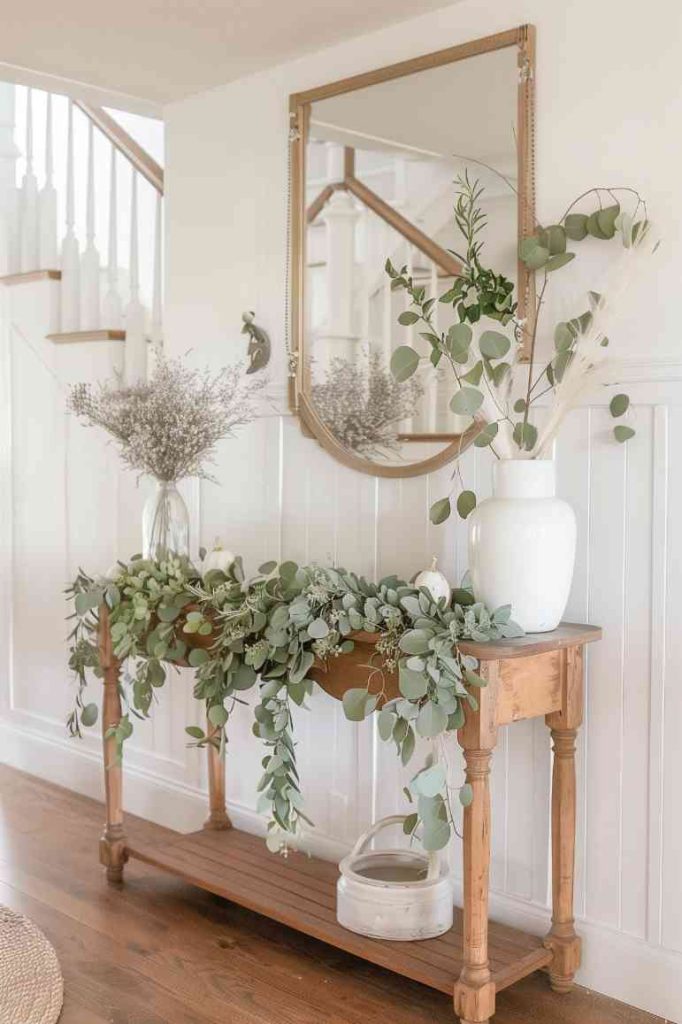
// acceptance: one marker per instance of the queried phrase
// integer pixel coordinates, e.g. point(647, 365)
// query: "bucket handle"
point(393, 819)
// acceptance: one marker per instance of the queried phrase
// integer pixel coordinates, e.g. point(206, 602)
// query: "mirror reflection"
point(381, 167)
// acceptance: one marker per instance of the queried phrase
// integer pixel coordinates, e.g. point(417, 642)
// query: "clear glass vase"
point(165, 523)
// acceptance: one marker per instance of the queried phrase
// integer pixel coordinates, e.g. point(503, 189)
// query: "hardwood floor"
point(157, 951)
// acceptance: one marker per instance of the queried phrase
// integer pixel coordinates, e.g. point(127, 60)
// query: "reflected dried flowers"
point(363, 405)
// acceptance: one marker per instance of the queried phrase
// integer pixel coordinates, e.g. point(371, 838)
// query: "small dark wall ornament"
point(259, 343)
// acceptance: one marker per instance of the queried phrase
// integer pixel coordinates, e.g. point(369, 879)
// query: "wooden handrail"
point(125, 144)
point(376, 204)
point(321, 200)
point(404, 227)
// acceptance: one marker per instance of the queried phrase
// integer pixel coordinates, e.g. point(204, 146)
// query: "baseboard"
point(77, 765)
point(614, 964)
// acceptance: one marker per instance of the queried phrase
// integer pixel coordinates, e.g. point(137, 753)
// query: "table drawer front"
point(529, 687)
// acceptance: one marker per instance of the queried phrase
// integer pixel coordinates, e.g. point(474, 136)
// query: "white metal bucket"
point(393, 894)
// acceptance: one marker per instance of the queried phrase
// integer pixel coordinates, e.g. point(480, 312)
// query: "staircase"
point(388, 207)
point(81, 210)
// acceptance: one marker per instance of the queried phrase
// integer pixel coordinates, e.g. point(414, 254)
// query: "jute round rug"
point(31, 985)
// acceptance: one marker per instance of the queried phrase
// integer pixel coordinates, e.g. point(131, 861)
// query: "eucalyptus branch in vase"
point(492, 387)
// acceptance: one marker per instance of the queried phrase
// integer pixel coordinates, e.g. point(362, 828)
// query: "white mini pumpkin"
point(434, 581)
point(219, 558)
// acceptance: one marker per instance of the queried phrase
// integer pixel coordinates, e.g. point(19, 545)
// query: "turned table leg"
point(112, 844)
point(562, 938)
point(218, 818)
point(474, 995)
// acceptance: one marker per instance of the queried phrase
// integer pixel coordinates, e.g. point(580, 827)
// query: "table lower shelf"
point(300, 892)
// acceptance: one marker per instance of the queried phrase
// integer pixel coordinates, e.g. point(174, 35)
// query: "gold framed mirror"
point(374, 163)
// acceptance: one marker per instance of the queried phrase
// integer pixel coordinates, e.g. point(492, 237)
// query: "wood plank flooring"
point(159, 951)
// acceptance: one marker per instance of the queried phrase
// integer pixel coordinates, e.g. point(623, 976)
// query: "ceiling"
point(162, 50)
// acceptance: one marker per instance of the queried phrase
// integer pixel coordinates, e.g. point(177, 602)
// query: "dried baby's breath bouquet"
point(364, 407)
point(169, 426)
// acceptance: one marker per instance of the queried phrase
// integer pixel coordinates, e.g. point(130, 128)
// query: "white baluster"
point(9, 255)
point(70, 248)
point(387, 321)
point(112, 306)
point(30, 253)
point(411, 424)
point(340, 215)
point(47, 207)
point(90, 311)
point(432, 379)
point(157, 328)
point(136, 342)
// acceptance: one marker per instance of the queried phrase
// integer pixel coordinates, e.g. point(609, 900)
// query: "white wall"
point(608, 107)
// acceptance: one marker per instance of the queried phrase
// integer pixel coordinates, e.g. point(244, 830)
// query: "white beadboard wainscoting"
point(65, 503)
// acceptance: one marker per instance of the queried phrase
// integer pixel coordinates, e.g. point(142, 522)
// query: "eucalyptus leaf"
point(195, 732)
point(415, 641)
point(525, 435)
point(487, 435)
point(432, 720)
point(440, 511)
point(619, 405)
point(408, 745)
point(385, 720)
point(436, 836)
point(458, 341)
point(494, 345)
point(466, 794)
point(563, 337)
point(593, 226)
point(623, 433)
point(554, 239)
point(430, 781)
point(217, 715)
point(556, 262)
point(89, 715)
point(537, 258)
point(410, 823)
point(528, 245)
point(412, 685)
point(575, 226)
point(404, 362)
point(318, 629)
point(197, 656)
point(358, 704)
point(408, 318)
point(606, 220)
point(466, 402)
point(473, 376)
point(466, 503)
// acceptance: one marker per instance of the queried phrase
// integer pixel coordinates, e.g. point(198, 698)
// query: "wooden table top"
point(567, 634)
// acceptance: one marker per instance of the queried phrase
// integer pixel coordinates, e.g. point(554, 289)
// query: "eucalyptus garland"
point(266, 633)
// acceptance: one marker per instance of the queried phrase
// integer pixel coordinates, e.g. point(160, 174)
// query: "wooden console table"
point(535, 675)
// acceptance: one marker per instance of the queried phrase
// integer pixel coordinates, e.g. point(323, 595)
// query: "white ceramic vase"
point(522, 544)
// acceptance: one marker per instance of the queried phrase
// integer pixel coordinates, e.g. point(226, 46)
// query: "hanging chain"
point(527, 186)
point(292, 357)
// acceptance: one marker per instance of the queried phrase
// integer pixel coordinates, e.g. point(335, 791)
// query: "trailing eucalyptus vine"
point(266, 634)
point(493, 388)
